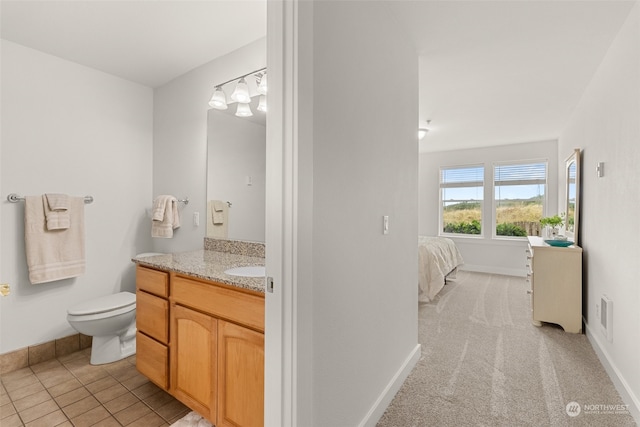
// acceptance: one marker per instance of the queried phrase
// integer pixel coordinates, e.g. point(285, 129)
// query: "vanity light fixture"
point(244, 110)
point(241, 92)
point(262, 104)
point(262, 83)
point(219, 99)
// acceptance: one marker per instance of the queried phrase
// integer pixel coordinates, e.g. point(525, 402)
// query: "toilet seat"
point(121, 302)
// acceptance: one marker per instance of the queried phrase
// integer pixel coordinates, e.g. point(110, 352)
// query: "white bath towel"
point(165, 216)
point(56, 211)
point(53, 254)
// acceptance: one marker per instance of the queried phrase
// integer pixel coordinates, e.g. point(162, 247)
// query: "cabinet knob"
point(529, 291)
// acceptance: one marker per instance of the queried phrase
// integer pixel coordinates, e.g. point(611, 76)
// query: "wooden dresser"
point(554, 278)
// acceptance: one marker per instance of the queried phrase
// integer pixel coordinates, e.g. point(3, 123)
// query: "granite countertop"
point(208, 265)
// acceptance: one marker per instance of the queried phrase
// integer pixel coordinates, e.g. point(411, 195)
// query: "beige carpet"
point(484, 364)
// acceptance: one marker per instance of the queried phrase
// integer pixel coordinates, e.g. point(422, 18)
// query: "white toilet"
point(111, 321)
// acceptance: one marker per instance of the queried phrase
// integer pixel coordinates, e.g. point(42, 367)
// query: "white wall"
point(606, 126)
point(356, 289)
point(236, 150)
point(500, 256)
point(180, 138)
point(71, 129)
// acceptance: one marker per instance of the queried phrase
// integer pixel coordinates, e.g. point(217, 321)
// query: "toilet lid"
point(105, 303)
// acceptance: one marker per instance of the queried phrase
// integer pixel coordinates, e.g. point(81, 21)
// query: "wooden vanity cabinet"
point(152, 323)
point(217, 333)
point(555, 279)
point(212, 355)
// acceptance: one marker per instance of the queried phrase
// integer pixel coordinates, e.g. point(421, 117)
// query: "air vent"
point(606, 317)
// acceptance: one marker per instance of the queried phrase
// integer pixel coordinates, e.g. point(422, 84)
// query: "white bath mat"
point(192, 419)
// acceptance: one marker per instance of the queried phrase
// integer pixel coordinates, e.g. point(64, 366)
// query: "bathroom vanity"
point(201, 333)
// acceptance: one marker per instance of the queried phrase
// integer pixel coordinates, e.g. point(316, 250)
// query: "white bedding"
point(437, 258)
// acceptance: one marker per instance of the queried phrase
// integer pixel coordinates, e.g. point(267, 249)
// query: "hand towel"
point(57, 202)
point(215, 228)
point(218, 212)
point(165, 216)
point(53, 254)
point(56, 211)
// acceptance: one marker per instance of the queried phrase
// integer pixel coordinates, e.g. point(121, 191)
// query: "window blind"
point(520, 174)
point(467, 176)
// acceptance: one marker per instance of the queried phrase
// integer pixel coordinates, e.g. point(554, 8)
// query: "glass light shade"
point(219, 99)
point(241, 92)
point(262, 86)
point(262, 105)
point(422, 132)
point(243, 110)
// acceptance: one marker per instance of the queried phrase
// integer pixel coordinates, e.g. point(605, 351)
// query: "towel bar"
point(14, 198)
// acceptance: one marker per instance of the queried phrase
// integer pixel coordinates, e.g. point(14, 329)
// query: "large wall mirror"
point(236, 168)
point(572, 196)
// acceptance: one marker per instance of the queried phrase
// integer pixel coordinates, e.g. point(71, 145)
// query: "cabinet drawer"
point(152, 314)
point(219, 301)
point(152, 360)
point(152, 281)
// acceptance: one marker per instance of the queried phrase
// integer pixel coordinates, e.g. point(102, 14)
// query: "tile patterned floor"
point(69, 391)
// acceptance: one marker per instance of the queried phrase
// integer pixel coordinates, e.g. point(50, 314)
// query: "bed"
point(438, 258)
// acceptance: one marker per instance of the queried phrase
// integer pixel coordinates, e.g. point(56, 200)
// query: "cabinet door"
point(240, 376)
point(193, 360)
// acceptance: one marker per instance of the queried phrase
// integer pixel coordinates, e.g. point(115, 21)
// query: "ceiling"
point(146, 41)
point(491, 72)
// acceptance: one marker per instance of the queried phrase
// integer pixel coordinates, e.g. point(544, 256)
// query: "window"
point(461, 195)
point(519, 195)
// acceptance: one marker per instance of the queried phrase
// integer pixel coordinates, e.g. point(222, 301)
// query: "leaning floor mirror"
point(572, 196)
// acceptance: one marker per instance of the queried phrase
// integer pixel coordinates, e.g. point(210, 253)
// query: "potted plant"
point(552, 224)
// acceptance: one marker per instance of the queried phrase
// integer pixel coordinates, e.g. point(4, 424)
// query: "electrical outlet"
point(196, 218)
point(598, 311)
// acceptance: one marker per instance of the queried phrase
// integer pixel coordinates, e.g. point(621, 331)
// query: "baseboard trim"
point(38, 353)
point(618, 380)
point(519, 272)
point(389, 392)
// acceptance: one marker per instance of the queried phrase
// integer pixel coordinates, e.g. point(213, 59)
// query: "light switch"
point(385, 224)
point(196, 219)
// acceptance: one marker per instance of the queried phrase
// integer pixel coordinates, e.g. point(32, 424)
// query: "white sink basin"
point(248, 271)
